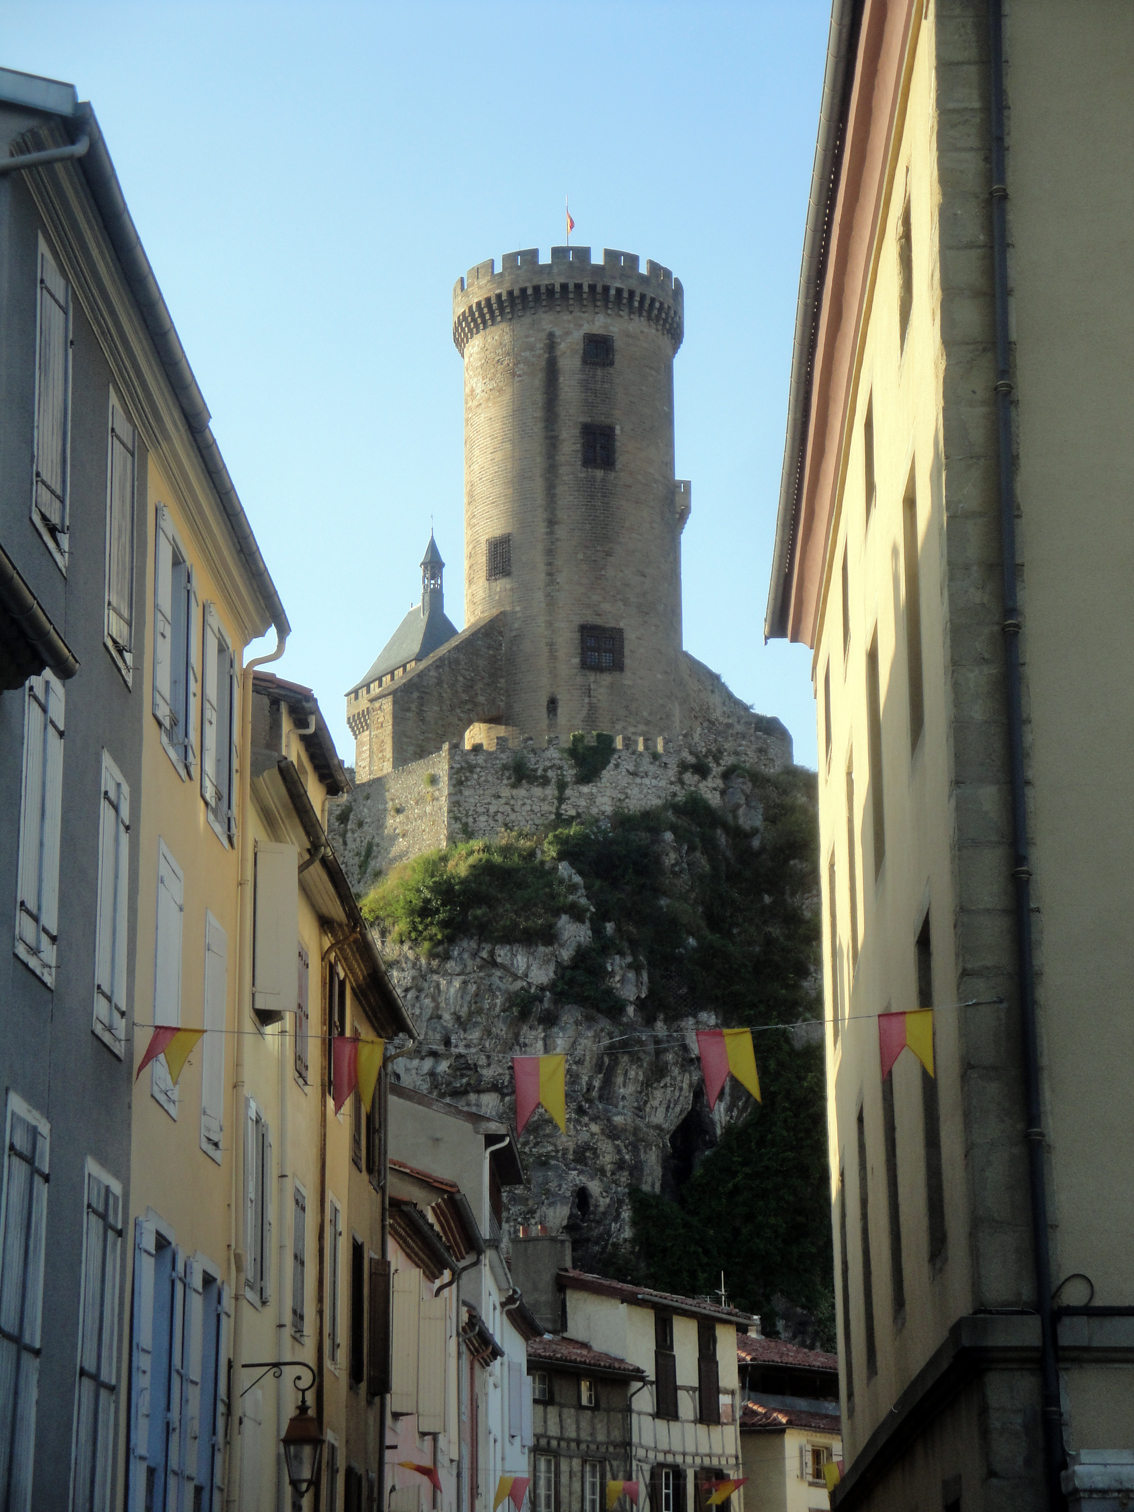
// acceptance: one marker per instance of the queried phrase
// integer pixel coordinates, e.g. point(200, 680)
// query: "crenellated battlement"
point(569, 283)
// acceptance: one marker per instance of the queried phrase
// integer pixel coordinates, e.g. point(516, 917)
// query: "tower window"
point(598, 446)
point(499, 557)
point(598, 351)
point(601, 648)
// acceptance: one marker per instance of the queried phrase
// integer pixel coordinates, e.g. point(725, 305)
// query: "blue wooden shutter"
point(142, 1333)
point(113, 893)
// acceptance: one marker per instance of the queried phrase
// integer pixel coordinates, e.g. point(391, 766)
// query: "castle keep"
point(573, 519)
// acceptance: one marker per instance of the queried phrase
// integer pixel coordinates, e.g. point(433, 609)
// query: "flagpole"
point(567, 207)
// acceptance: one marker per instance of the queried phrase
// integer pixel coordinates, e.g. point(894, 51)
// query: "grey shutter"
point(120, 542)
point(142, 1333)
point(407, 1295)
point(266, 1194)
point(209, 708)
point(212, 1069)
point(220, 1422)
point(515, 1399)
point(167, 967)
point(37, 920)
point(251, 1173)
point(98, 1347)
point(233, 682)
point(432, 1350)
point(302, 1014)
point(185, 1464)
point(163, 619)
point(21, 1297)
point(174, 1443)
point(113, 892)
point(299, 1264)
point(192, 673)
point(52, 399)
point(527, 1426)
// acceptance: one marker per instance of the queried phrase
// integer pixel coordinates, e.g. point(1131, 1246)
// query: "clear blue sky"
point(309, 180)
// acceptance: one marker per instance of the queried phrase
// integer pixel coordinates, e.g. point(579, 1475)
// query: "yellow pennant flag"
point(919, 1036)
point(742, 1059)
point(370, 1053)
point(553, 1087)
point(503, 1487)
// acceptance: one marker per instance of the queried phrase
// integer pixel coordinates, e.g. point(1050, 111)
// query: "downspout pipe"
point(46, 158)
point(245, 853)
point(1054, 1455)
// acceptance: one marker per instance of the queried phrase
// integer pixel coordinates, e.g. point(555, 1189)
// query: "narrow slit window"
point(905, 271)
point(913, 614)
point(931, 1109)
point(852, 869)
point(864, 1236)
point(833, 946)
point(598, 446)
point(844, 1279)
point(868, 457)
point(846, 602)
point(890, 1135)
point(874, 726)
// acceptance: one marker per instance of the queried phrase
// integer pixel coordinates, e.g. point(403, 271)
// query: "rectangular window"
point(275, 906)
point(931, 1109)
point(890, 1136)
point(356, 1118)
point(378, 1340)
point(352, 1489)
point(220, 721)
point(499, 557)
point(212, 1046)
point(52, 407)
point(175, 645)
point(665, 1367)
point(41, 811)
point(336, 1016)
point(334, 1261)
point(874, 730)
point(598, 351)
point(592, 1486)
point(299, 1261)
point(598, 446)
point(844, 1278)
point(332, 1460)
point(23, 1227)
point(708, 1374)
point(828, 733)
point(167, 968)
point(357, 1311)
point(812, 1458)
point(303, 1016)
point(373, 1136)
point(96, 1393)
point(121, 481)
point(257, 1204)
point(541, 1386)
point(852, 867)
point(846, 602)
point(833, 949)
point(545, 1483)
point(905, 271)
point(601, 648)
point(868, 457)
point(913, 613)
point(587, 1396)
point(215, 1308)
point(864, 1238)
point(111, 922)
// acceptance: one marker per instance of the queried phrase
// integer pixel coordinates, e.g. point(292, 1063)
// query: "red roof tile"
point(573, 1354)
point(755, 1350)
point(434, 1181)
point(776, 1419)
point(646, 1297)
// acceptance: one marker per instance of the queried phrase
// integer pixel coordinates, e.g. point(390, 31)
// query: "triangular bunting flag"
point(615, 1489)
point(725, 1053)
point(540, 1079)
point(833, 1473)
point(723, 1489)
point(175, 1044)
point(355, 1063)
point(906, 1031)
point(427, 1470)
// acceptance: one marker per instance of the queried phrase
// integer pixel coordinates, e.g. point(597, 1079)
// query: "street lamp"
point(303, 1440)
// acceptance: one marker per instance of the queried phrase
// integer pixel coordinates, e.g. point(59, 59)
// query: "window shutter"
point(665, 1376)
point(233, 725)
point(192, 672)
point(113, 891)
point(52, 399)
point(120, 544)
point(175, 1450)
point(209, 708)
point(378, 1344)
point(163, 619)
point(275, 930)
point(299, 1264)
point(96, 1398)
point(403, 1388)
point(266, 1193)
point(191, 1351)
point(37, 917)
point(302, 1015)
point(220, 1421)
point(21, 1293)
point(251, 1176)
point(527, 1432)
point(141, 1361)
point(212, 1051)
point(515, 1387)
point(803, 1462)
point(431, 1367)
point(708, 1389)
point(334, 1298)
point(167, 968)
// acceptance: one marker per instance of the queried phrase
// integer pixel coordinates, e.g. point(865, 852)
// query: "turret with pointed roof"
point(425, 628)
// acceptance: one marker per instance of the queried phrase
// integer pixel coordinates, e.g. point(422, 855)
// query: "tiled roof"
point(644, 1296)
point(573, 1354)
point(776, 1419)
point(434, 1181)
point(417, 637)
point(755, 1350)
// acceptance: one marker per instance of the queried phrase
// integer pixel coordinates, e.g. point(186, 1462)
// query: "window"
point(598, 351)
point(111, 927)
point(303, 1016)
point(23, 1225)
point(352, 1489)
point(665, 1367)
point(601, 648)
point(913, 613)
point(499, 557)
point(905, 270)
point(592, 1486)
point(828, 734)
point(97, 1389)
point(874, 730)
point(52, 407)
point(336, 1016)
point(708, 1374)
point(215, 1307)
point(41, 805)
point(667, 1489)
point(120, 490)
point(275, 906)
point(257, 1204)
point(298, 1261)
point(871, 488)
point(356, 1118)
point(587, 1394)
point(357, 1310)
point(544, 1483)
point(864, 1238)
point(598, 446)
point(334, 1261)
point(852, 866)
point(844, 1278)
point(890, 1139)
point(378, 1340)
point(175, 646)
point(846, 602)
point(219, 727)
point(812, 1458)
point(833, 948)
point(331, 1454)
point(167, 968)
point(373, 1137)
point(212, 1046)
point(541, 1386)
point(931, 1110)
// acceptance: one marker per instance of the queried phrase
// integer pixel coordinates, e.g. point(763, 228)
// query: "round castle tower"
point(572, 512)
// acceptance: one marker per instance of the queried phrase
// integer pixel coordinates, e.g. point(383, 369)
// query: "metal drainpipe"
point(243, 1004)
point(384, 1134)
point(44, 159)
point(1053, 1447)
point(283, 1209)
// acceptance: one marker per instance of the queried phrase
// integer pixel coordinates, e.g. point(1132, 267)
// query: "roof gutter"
point(32, 621)
point(845, 18)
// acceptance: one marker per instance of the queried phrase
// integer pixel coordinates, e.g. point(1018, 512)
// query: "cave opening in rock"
point(689, 1143)
point(583, 1202)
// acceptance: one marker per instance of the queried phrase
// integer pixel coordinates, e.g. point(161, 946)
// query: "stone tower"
point(572, 512)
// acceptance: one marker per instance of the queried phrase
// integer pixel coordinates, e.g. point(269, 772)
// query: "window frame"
point(498, 557)
point(334, 1281)
point(106, 1375)
point(46, 798)
point(176, 671)
point(303, 1018)
point(588, 1389)
point(590, 359)
point(616, 650)
point(219, 734)
point(215, 1011)
point(18, 1108)
point(592, 1502)
point(58, 541)
point(598, 447)
point(258, 1199)
point(541, 1377)
point(545, 1496)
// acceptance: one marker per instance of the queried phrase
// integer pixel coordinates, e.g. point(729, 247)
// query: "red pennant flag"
point(519, 1488)
point(344, 1074)
point(427, 1470)
point(901, 1031)
point(540, 1079)
point(725, 1053)
point(175, 1044)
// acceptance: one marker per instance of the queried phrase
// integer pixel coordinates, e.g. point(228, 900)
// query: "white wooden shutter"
point(212, 1068)
point(52, 399)
point(251, 1183)
point(266, 1196)
point(407, 1294)
point(185, 1395)
point(120, 541)
point(163, 619)
point(220, 1422)
point(527, 1432)
point(275, 930)
point(113, 892)
point(299, 1263)
point(37, 906)
point(515, 1397)
point(302, 1014)
point(431, 1353)
point(167, 967)
point(209, 707)
point(233, 681)
point(192, 673)
point(142, 1333)
point(334, 1245)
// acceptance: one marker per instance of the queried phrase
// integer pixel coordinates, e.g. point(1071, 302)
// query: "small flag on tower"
point(175, 1044)
point(355, 1063)
point(726, 1052)
point(570, 221)
point(540, 1079)
point(906, 1031)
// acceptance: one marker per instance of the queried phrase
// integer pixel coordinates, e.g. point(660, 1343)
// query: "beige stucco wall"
point(771, 1463)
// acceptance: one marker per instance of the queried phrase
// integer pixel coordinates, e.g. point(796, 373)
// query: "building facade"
point(959, 456)
point(790, 1432)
